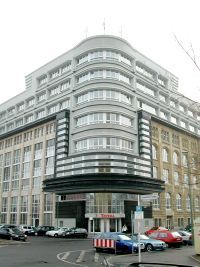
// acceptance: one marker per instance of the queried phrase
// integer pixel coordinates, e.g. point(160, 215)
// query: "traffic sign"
point(139, 215)
point(138, 208)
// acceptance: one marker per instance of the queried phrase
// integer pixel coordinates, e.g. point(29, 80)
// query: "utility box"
point(197, 235)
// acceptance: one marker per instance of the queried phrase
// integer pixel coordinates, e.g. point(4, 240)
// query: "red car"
point(170, 238)
point(155, 228)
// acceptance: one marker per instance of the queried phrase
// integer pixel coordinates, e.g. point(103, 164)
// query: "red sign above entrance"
point(103, 215)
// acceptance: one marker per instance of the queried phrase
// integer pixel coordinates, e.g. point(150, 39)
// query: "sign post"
point(139, 215)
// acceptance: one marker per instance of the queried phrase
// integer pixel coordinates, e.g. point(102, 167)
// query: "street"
point(55, 252)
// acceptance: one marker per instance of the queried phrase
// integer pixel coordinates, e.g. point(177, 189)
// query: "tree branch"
point(192, 57)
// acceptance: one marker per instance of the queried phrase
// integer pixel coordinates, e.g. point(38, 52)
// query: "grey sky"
point(34, 32)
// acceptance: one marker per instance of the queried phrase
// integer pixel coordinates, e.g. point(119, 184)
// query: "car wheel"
point(56, 235)
point(149, 247)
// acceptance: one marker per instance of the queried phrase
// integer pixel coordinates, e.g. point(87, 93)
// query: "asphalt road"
point(53, 252)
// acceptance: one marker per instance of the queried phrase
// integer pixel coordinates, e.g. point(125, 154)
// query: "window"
point(175, 139)
point(40, 114)
point(168, 200)
point(175, 158)
point(144, 71)
point(181, 108)
point(178, 202)
point(65, 68)
point(54, 74)
point(176, 178)
point(41, 97)
point(183, 124)
point(162, 98)
point(54, 91)
point(188, 202)
point(156, 202)
point(147, 107)
point(29, 118)
point(154, 132)
point(42, 80)
point(154, 152)
point(173, 119)
point(172, 103)
point(163, 115)
point(155, 172)
point(185, 159)
point(197, 203)
point(165, 155)
point(21, 107)
point(19, 122)
point(190, 113)
point(166, 175)
point(145, 89)
point(30, 102)
point(186, 179)
point(192, 128)
point(165, 135)
point(104, 95)
point(161, 81)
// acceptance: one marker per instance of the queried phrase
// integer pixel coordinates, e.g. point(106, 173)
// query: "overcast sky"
point(34, 32)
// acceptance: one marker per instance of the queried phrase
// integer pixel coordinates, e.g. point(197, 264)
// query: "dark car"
point(5, 234)
point(11, 226)
point(12, 234)
point(76, 232)
point(120, 243)
point(41, 230)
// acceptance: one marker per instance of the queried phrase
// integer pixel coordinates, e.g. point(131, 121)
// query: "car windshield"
point(175, 234)
point(124, 237)
point(16, 231)
point(144, 237)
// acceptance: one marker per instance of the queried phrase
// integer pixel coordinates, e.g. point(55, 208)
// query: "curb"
point(196, 259)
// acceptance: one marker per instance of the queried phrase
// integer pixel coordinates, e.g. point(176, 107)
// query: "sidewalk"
point(184, 257)
point(5, 242)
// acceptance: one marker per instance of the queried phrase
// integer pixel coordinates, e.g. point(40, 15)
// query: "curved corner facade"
point(84, 127)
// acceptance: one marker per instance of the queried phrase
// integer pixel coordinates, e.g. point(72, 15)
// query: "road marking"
point(64, 257)
point(82, 254)
point(96, 257)
point(61, 256)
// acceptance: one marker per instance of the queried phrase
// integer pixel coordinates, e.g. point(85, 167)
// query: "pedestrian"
point(124, 228)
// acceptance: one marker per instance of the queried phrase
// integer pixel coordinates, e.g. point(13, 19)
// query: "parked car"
point(4, 234)
point(155, 228)
point(170, 238)
point(12, 233)
point(187, 237)
point(188, 228)
point(150, 243)
point(28, 229)
point(75, 232)
point(57, 232)
point(11, 226)
point(41, 230)
point(123, 242)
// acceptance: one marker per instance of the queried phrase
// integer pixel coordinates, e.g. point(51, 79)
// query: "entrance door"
point(105, 225)
point(169, 222)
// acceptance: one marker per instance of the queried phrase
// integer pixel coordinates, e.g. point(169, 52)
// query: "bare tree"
point(190, 53)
